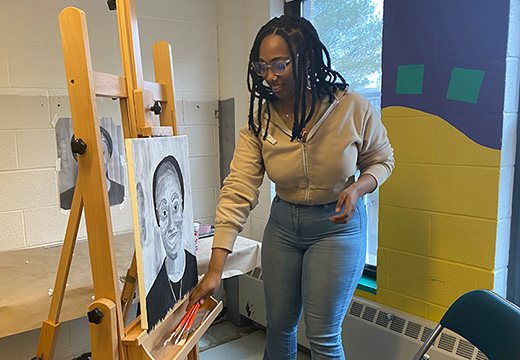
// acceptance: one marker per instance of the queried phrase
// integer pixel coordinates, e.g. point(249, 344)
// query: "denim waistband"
point(278, 198)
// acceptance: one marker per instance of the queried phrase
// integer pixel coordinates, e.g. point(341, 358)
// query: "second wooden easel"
point(140, 101)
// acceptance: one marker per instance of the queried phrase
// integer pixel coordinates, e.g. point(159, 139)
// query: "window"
point(352, 32)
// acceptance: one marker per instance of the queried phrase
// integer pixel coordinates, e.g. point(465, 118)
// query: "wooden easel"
point(110, 340)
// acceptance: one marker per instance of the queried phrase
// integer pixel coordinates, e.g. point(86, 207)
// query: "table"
point(27, 278)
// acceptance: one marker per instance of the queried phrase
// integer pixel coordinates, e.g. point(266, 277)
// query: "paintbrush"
point(178, 328)
point(186, 332)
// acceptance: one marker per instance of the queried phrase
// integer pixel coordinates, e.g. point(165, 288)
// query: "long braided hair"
point(309, 71)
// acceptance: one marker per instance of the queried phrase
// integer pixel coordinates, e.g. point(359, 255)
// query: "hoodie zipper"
point(305, 168)
point(303, 143)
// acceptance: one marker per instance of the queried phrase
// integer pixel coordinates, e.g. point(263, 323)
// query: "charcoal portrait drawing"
point(165, 216)
point(112, 148)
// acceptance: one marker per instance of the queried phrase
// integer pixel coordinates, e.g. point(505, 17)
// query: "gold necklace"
point(303, 132)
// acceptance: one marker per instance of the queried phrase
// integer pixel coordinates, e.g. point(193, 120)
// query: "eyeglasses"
point(278, 67)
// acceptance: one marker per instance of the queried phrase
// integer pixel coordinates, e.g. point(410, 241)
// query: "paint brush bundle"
point(182, 330)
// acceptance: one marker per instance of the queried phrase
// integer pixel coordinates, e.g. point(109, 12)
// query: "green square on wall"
point(409, 79)
point(465, 85)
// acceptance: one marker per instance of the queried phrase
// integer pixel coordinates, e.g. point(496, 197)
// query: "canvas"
point(159, 182)
point(113, 156)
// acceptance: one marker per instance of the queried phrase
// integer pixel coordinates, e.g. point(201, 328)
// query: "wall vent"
point(457, 346)
point(446, 342)
point(369, 314)
point(413, 330)
point(465, 349)
point(397, 324)
point(426, 332)
point(355, 310)
point(481, 356)
point(382, 319)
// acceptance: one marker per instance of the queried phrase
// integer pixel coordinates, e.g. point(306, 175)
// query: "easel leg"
point(103, 329)
point(128, 288)
point(194, 353)
point(50, 327)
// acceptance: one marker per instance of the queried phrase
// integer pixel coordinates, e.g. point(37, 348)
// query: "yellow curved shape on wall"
point(421, 137)
point(437, 215)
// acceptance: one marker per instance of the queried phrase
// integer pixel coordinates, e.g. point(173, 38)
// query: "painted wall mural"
point(443, 83)
point(447, 58)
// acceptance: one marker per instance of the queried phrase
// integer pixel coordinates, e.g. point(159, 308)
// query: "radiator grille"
point(481, 356)
point(413, 330)
point(397, 324)
point(426, 333)
point(355, 309)
point(465, 349)
point(382, 319)
point(447, 341)
point(369, 314)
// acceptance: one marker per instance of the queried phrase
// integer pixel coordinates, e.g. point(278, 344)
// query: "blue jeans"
point(310, 262)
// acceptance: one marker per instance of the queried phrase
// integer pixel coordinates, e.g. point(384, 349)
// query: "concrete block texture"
point(203, 203)
point(27, 64)
point(4, 67)
point(49, 26)
point(404, 229)
point(28, 189)
point(12, 234)
point(200, 112)
point(24, 112)
point(463, 240)
point(464, 190)
point(19, 24)
point(36, 148)
point(433, 280)
point(511, 90)
point(204, 172)
point(8, 159)
point(202, 139)
point(45, 225)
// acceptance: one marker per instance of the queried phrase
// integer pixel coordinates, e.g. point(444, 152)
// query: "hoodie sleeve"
point(239, 194)
point(376, 156)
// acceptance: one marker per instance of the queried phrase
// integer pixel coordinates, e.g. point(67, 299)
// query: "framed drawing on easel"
point(159, 182)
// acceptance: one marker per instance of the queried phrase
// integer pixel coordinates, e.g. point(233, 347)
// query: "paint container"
point(196, 227)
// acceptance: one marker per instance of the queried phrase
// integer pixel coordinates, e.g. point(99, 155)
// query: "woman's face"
point(274, 47)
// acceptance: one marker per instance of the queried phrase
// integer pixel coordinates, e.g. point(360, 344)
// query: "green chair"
point(486, 320)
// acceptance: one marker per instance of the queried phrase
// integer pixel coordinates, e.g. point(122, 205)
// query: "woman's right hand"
point(206, 287)
point(211, 280)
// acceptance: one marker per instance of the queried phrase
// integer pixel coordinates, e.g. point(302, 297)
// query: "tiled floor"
point(225, 341)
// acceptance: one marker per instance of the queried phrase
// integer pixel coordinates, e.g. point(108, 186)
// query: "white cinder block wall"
point(33, 96)
point(238, 23)
point(210, 43)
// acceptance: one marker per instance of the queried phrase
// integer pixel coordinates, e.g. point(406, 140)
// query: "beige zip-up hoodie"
point(348, 136)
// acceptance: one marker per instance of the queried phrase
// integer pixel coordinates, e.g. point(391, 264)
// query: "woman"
point(310, 134)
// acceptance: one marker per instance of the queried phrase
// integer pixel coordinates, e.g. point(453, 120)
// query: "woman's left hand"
point(347, 198)
point(350, 196)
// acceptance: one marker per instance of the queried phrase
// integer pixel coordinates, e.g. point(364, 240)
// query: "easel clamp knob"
point(78, 146)
point(156, 108)
point(94, 316)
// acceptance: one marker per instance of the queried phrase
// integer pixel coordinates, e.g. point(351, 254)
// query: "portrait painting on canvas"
point(159, 182)
point(113, 157)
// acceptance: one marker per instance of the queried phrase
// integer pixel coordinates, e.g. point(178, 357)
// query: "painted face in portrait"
point(106, 145)
point(169, 209)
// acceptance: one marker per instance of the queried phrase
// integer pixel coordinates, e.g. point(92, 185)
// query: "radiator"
point(370, 330)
